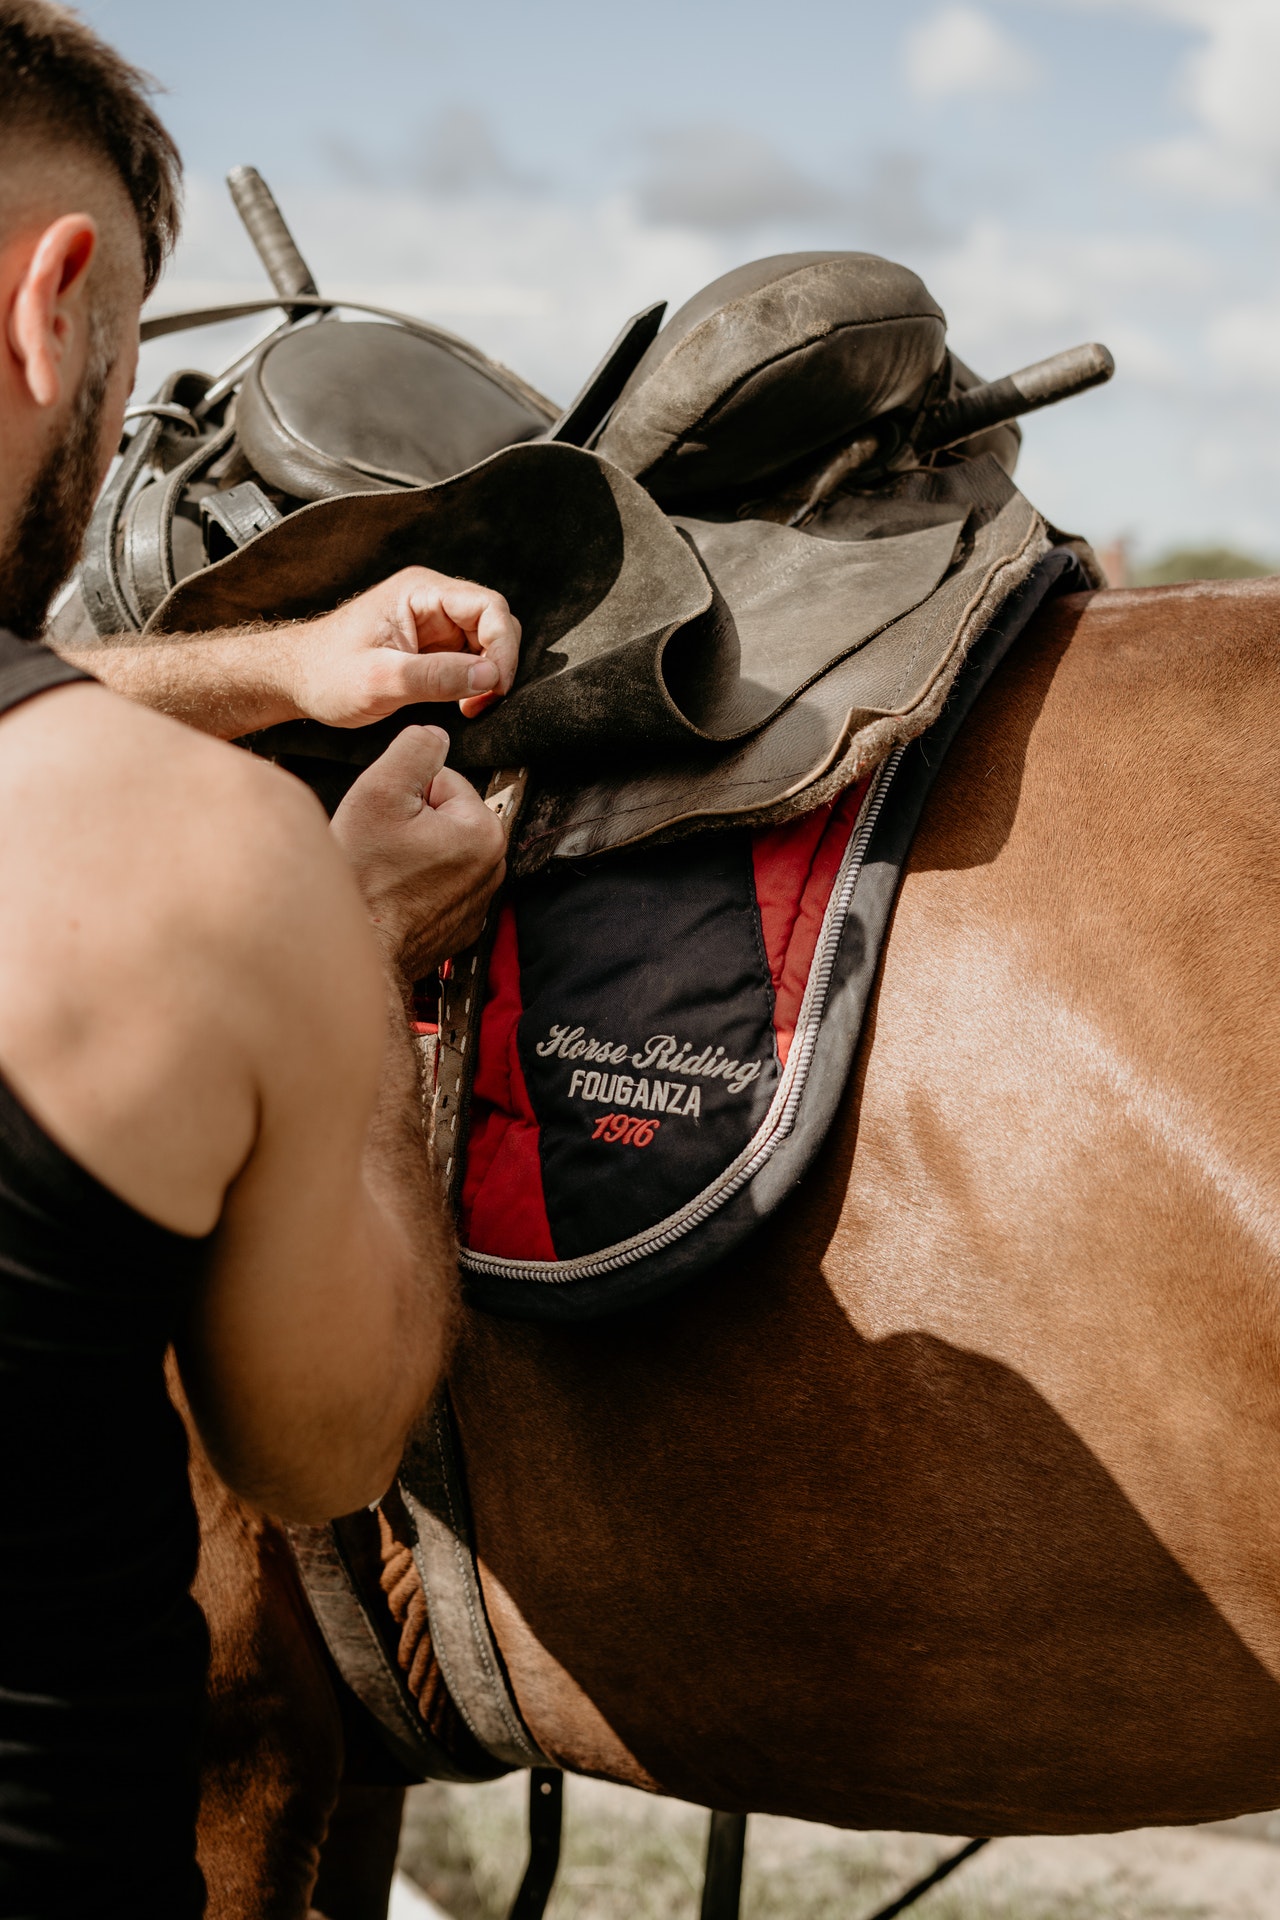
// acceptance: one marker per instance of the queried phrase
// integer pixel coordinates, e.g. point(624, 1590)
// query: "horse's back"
point(954, 1505)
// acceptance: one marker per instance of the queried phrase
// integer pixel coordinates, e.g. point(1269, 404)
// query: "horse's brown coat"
point(955, 1504)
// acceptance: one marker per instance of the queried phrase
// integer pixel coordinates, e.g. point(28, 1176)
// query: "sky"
point(530, 172)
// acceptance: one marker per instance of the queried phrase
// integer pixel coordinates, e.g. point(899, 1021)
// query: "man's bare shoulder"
point(77, 737)
point(178, 924)
point(99, 785)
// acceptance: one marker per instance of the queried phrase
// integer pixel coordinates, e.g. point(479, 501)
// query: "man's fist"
point(419, 636)
point(429, 855)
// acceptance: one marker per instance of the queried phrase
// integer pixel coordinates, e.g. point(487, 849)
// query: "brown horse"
point(954, 1505)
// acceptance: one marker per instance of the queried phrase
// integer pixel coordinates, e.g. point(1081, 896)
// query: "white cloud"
point(1196, 168)
point(963, 50)
point(1191, 13)
point(724, 177)
point(1231, 83)
point(545, 282)
point(541, 283)
point(1244, 345)
point(1012, 297)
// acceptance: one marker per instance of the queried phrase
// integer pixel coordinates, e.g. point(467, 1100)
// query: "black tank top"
point(102, 1649)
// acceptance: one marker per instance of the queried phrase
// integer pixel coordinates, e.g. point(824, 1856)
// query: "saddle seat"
point(769, 363)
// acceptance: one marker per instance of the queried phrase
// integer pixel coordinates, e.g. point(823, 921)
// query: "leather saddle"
point(742, 576)
point(724, 618)
point(323, 408)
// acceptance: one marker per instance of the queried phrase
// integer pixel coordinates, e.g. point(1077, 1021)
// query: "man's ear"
point(48, 322)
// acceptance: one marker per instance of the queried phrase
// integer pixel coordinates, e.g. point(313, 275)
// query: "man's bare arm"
point(194, 1006)
point(323, 1327)
point(418, 636)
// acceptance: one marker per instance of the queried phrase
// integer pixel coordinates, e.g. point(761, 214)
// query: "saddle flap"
point(641, 637)
point(352, 406)
point(599, 578)
point(788, 605)
point(770, 363)
point(874, 694)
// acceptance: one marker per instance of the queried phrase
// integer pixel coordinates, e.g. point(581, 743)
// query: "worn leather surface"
point(130, 557)
point(843, 721)
point(347, 405)
point(340, 1570)
point(788, 604)
point(599, 577)
point(644, 639)
point(152, 551)
point(768, 363)
point(433, 1491)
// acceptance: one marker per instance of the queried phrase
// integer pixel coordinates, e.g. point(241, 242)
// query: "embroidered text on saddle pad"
point(639, 1020)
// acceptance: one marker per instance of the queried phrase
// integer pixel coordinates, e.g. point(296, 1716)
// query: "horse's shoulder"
point(1219, 637)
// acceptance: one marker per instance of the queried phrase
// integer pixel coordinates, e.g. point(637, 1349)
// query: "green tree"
point(1200, 563)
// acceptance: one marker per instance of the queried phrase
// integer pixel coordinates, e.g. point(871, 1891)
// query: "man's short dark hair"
point(59, 82)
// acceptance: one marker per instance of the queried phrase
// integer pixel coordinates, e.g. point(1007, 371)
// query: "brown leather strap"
point(338, 1570)
point(460, 1004)
point(146, 555)
point(460, 1000)
point(434, 1494)
point(432, 1484)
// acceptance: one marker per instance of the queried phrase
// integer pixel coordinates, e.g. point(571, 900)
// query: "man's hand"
point(428, 854)
point(419, 636)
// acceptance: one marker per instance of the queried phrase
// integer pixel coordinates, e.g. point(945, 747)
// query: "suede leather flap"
point(844, 720)
point(788, 606)
point(640, 637)
point(598, 577)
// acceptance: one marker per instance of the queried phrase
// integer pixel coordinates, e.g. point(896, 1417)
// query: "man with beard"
point(209, 1109)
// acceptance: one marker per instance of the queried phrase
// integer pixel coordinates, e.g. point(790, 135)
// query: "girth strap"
point(434, 1494)
point(461, 1000)
point(337, 1565)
